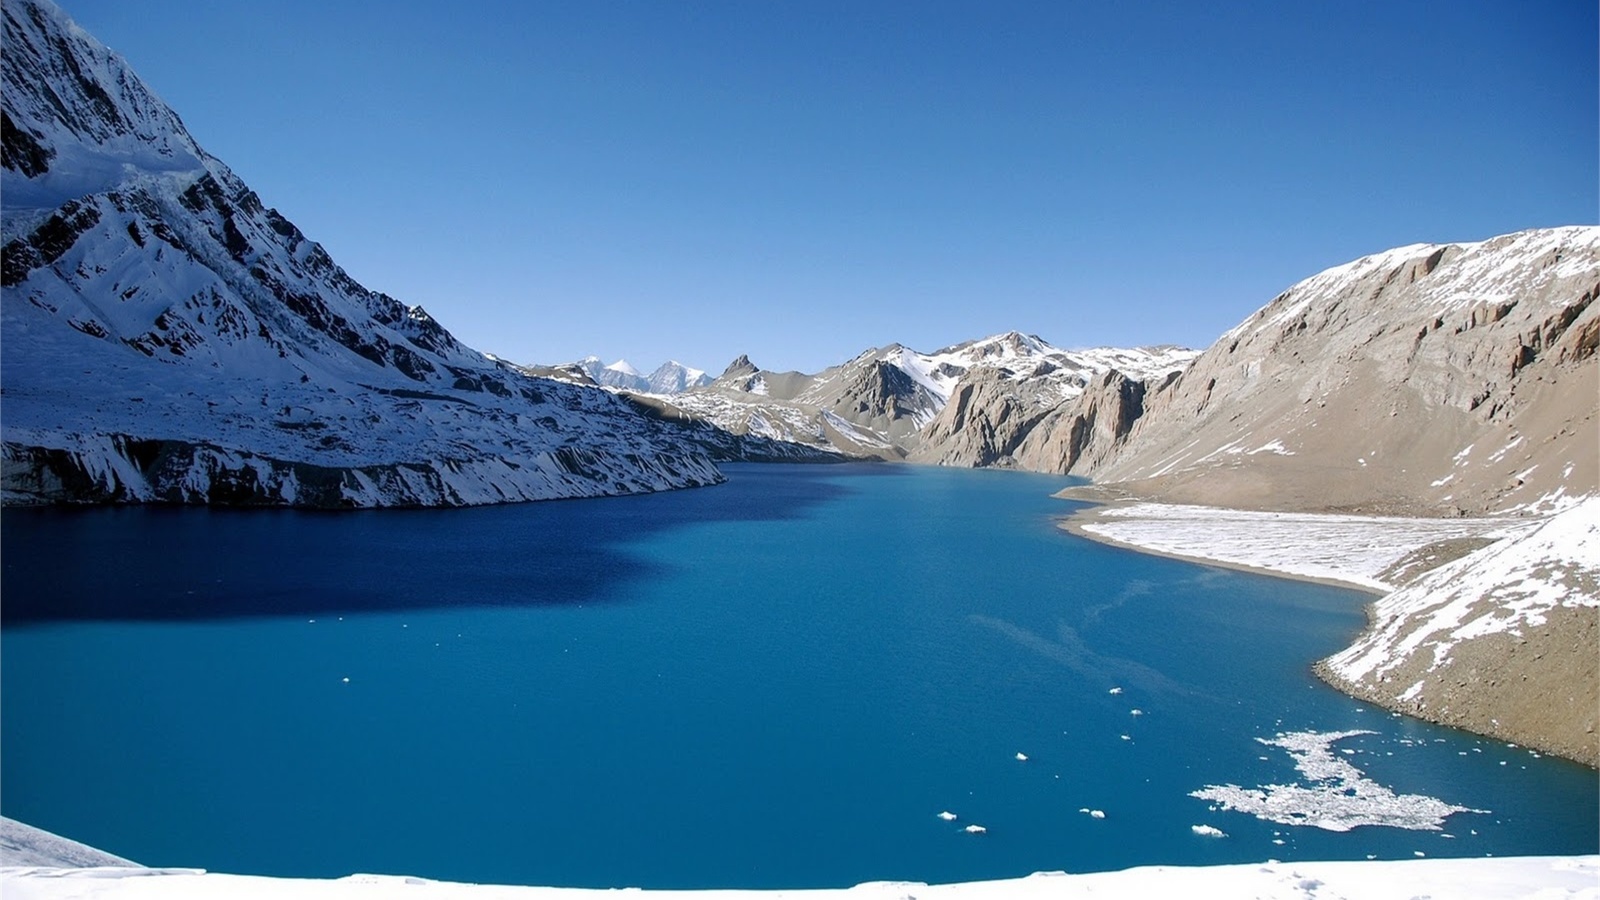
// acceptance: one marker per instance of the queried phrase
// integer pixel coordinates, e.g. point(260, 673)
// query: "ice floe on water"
point(1207, 831)
point(1337, 797)
point(948, 816)
point(975, 829)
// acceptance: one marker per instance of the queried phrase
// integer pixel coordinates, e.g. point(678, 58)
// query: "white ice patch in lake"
point(1338, 797)
point(1207, 831)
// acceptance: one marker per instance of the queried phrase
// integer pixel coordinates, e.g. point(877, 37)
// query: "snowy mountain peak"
point(673, 377)
point(169, 337)
point(77, 121)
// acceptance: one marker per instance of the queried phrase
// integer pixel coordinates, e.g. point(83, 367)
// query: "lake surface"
point(776, 682)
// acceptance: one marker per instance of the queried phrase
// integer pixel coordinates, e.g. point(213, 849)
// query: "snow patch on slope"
point(1503, 588)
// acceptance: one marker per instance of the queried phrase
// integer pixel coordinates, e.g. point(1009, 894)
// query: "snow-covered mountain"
point(169, 337)
point(880, 403)
point(671, 377)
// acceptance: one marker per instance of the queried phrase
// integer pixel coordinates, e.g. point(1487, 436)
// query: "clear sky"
point(802, 180)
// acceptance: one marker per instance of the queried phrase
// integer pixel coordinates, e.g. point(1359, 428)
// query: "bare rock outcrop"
point(1091, 429)
point(986, 418)
point(1430, 379)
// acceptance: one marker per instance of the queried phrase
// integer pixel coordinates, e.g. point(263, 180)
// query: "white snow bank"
point(1502, 588)
point(1346, 548)
point(1547, 878)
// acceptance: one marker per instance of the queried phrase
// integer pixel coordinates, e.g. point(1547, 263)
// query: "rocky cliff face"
point(170, 338)
point(1431, 379)
point(1090, 430)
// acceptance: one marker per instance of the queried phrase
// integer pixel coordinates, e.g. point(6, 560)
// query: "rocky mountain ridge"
point(885, 402)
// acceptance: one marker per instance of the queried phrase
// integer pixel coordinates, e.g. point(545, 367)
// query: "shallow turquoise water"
point(776, 682)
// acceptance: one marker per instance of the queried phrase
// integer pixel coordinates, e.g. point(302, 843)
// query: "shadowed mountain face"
point(170, 338)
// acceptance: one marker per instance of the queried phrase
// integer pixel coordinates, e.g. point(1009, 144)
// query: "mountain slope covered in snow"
point(1501, 641)
point(168, 337)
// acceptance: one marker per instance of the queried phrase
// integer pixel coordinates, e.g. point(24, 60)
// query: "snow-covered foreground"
point(1350, 549)
point(37, 864)
point(1546, 878)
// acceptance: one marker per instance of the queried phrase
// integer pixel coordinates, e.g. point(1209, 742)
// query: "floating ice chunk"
point(1022, 757)
point(1136, 712)
point(347, 679)
point(1278, 841)
point(1209, 831)
point(1092, 813)
point(1115, 690)
point(948, 816)
point(1125, 737)
point(975, 829)
point(1339, 796)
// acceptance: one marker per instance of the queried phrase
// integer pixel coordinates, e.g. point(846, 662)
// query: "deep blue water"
point(775, 682)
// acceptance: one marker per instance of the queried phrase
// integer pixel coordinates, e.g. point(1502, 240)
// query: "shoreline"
point(1233, 539)
point(1075, 522)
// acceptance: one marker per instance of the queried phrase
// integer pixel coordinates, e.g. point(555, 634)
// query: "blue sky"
point(800, 181)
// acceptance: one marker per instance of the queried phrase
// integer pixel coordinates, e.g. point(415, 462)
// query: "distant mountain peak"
point(740, 367)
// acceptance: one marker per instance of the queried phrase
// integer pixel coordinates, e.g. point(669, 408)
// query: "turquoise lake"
point(780, 681)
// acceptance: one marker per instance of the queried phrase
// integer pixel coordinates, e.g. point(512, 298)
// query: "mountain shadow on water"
point(156, 563)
